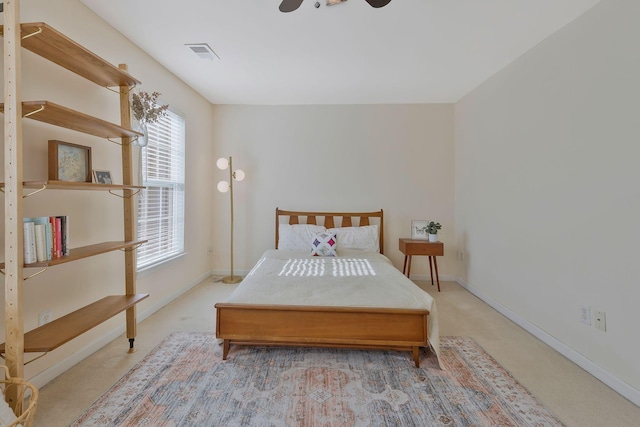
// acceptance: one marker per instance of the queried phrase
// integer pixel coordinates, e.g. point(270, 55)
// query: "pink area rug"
point(185, 382)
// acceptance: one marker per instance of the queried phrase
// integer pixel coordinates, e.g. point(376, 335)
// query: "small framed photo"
point(69, 162)
point(102, 177)
point(419, 229)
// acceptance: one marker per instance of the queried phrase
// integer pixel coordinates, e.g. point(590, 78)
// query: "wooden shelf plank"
point(59, 49)
point(60, 331)
point(58, 115)
point(64, 185)
point(85, 252)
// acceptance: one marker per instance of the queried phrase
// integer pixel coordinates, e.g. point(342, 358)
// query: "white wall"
point(334, 158)
point(547, 193)
point(94, 216)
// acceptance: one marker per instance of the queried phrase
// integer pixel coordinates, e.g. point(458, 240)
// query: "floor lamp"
point(223, 187)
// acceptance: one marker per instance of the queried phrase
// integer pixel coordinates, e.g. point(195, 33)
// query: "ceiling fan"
point(291, 5)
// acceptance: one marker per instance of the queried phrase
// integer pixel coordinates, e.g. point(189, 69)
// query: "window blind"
point(161, 204)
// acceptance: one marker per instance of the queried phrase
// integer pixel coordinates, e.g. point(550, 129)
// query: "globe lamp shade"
point(222, 163)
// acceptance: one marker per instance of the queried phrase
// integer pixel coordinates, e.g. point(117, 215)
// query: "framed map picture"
point(69, 162)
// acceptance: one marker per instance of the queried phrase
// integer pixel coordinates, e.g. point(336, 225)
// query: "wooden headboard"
point(332, 219)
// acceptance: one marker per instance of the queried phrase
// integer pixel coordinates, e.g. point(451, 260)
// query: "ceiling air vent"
point(203, 51)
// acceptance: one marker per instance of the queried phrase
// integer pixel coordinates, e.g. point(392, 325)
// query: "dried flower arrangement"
point(145, 108)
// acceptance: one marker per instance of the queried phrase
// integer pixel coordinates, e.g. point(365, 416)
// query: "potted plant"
point(432, 229)
point(146, 110)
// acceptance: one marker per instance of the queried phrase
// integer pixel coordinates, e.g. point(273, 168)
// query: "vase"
point(142, 140)
point(433, 237)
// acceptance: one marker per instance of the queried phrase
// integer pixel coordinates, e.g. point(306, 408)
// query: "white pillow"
point(366, 238)
point(297, 237)
point(324, 244)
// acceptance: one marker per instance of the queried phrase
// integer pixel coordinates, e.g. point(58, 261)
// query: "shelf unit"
point(56, 47)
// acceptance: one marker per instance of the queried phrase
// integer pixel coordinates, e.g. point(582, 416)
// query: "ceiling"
point(411, 51)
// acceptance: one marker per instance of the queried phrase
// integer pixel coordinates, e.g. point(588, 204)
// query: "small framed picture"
point(102, 177)
point(419, 229)
point(69, 162)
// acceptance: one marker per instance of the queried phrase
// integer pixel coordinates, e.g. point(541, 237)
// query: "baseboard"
point(59, 368)
point(610, 380)
point(427, 278)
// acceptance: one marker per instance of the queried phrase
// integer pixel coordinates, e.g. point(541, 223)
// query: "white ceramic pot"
point(433, 237)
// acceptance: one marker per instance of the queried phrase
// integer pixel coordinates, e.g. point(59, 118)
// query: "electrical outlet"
point(585, 314)
point(44, 317)
point(600, 320)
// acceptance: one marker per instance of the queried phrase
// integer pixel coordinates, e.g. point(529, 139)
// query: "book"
point(54, 237)
point(49, 236)
point(64, 231)
point(41, 242)
point(58, 227)
point(29, 241)
point(43, 220)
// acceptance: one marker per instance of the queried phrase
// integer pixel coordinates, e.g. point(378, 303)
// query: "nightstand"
point(410, 247)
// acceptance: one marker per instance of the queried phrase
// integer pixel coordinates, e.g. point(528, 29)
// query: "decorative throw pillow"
point(365, 238)
point(296, 237)
point(324, 244)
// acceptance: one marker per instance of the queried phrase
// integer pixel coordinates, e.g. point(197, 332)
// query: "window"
point(161, 204)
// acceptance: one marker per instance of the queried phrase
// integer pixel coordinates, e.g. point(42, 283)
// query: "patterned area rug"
point(184, 382)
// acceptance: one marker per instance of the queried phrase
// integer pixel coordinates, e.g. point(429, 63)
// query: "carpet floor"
point(185, 382)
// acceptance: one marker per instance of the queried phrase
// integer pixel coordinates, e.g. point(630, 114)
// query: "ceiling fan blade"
point(290, 5)
point(378, 3)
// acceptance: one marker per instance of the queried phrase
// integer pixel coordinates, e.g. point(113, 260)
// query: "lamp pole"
point(231, 278)
point(233, 176)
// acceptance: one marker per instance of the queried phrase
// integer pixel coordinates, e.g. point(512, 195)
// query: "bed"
point(356, 299)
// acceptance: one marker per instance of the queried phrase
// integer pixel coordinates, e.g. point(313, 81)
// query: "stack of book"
point(45, 238)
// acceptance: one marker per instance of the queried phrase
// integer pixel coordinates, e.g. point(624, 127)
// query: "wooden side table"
point(410, 247)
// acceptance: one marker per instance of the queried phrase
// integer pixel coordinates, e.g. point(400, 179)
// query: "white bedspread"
point(353, 279)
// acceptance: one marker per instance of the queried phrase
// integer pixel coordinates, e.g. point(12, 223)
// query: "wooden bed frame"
point(319, 326)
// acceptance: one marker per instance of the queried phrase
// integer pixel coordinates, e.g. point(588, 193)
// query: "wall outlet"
point(600, 320)
point(585, 314)
point(44, 317)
